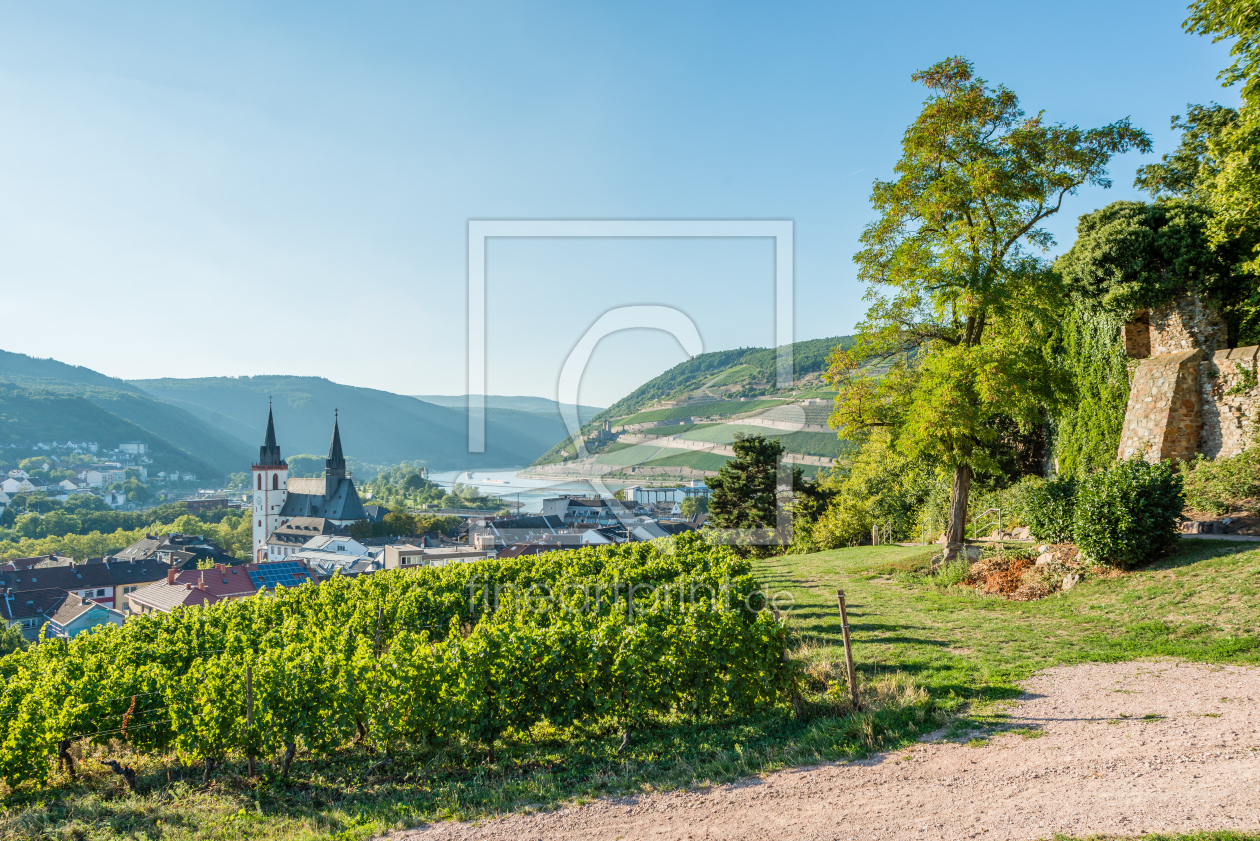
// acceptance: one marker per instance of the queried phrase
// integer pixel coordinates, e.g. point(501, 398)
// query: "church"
point(329, 500)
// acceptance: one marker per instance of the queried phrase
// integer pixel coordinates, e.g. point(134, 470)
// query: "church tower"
point(271, 480)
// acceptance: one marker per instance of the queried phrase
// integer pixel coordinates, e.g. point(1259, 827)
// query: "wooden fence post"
point(848, 650)
point(249, 712)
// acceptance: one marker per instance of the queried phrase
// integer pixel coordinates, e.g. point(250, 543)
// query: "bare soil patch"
point(1117, 748)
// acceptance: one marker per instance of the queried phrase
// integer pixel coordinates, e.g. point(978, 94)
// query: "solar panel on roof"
point(281, 572)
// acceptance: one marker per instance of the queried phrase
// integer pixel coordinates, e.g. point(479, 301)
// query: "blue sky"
point(233, 188)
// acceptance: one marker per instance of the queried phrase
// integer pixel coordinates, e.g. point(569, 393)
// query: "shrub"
point(1128, 513)
point(1049, 508)
point(1218, 485)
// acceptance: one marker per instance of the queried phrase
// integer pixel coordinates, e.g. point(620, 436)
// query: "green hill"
point(47, 400)
point(377, 427)
point(717, 386)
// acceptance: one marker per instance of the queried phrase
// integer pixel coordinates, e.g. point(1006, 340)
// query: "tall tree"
point(961, 300)
point(1233, 189)
point(746, 495)
point(1187, 172)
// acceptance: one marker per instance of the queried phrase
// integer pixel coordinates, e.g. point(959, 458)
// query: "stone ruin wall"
point(1180, 400)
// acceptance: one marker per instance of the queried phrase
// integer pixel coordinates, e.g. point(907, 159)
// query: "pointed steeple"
point(269, 452)
point(336, 463)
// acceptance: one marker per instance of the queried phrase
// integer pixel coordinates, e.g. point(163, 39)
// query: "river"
point(530, 493)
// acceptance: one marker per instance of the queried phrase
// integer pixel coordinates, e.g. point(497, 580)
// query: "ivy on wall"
point(1087, 432)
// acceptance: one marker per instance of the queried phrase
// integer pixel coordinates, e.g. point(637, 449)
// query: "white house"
point(13, 485)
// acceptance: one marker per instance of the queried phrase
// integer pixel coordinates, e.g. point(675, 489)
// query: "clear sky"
point(242, 188)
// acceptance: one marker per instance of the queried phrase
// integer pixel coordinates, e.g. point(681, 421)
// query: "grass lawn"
point(925, 657)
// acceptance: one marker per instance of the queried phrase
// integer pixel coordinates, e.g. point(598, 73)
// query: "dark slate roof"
point(31, 603)
point(27, 563)
point(151, 545)
point(677, 527)
point(375, 513)
point(333, 497)
point(535, 521)
point(336, 462)
point(297, 531)
point(269, 452)
point(81, 576)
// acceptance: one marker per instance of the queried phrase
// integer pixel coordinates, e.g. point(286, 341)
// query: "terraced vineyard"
point(681, 424)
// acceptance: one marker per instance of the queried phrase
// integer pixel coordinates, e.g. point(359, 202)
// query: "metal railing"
point(996, 522)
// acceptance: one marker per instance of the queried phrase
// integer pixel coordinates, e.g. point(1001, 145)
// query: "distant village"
point(101, 475)
point(301, 534)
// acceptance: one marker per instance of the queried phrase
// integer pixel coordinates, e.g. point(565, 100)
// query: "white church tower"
point(271, 480)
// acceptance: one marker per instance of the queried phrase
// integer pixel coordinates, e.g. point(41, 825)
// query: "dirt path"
point(1125, 749)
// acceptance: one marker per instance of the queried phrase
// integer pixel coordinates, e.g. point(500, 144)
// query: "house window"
point(100, 593)
point(275, 481)
point(259, 478)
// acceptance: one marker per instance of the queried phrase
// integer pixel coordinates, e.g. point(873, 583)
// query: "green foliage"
point(11, 640)
point(745, 494)
point(693, 505)
point(1087, 428)
point(1050, 508)
point(1218, 485)
point(1128, 513)
point(1130, 256)
point(883, 486)
point(83, 534)
point(1232, 186)
point(962, 303)
point(1187, 172)
point(467, 652)
point(1247, 380)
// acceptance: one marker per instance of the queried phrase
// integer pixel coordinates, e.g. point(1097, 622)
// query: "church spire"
point(336, 463)
point(269, 452)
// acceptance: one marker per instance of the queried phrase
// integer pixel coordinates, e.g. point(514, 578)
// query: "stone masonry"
point(1190, 393)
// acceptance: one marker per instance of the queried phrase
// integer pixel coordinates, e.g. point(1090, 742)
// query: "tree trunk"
point(290, 749)
point(956, 533)
point(65, 760)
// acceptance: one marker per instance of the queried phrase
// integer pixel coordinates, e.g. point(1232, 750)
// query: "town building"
point(190, 588)
point(294, 534)
point(108, 582)
point(28, 610)
point(409, 556)
point(76, 615)
point(279, 499)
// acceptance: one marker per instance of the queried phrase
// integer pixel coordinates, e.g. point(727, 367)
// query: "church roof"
point(333, 497)
point(269, 452)
point(336, 462)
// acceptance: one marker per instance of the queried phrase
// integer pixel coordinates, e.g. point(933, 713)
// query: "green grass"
point(735, 374)
point(927, 656)
point(807, 443)
point(719, 408)
point(695, 459)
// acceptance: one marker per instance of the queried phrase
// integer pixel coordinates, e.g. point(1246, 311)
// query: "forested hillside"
point(45, 400)
point(377, 427)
